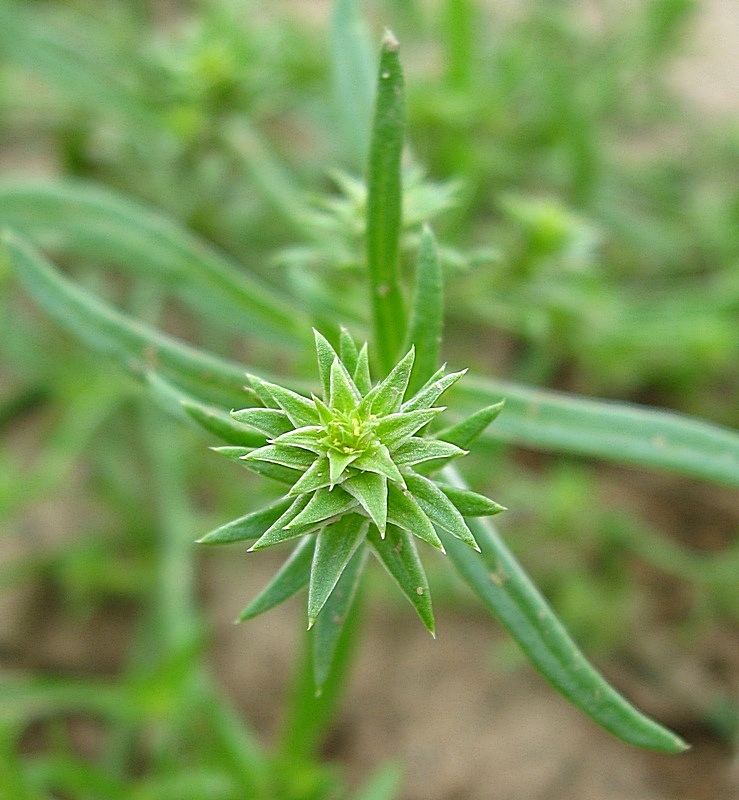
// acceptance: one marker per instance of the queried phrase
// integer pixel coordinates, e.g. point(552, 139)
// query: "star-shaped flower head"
point(358, 468)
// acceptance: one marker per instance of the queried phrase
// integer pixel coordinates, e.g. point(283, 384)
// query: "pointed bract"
point(356, 462)
point(270, 421)
point(344, 395)
point(326, 357)
point(370, 489)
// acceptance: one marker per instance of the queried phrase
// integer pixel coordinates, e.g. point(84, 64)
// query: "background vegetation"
point(589, 231)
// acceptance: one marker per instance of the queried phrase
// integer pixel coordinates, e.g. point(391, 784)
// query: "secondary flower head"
point(358, 469)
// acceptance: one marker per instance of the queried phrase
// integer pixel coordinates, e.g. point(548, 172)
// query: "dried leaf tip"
point(389, 42)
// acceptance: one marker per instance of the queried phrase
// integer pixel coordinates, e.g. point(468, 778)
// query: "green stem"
point(310, 714)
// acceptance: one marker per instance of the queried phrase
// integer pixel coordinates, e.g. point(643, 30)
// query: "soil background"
point(463, 723)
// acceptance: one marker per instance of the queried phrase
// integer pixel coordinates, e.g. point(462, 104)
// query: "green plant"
point(195, 385)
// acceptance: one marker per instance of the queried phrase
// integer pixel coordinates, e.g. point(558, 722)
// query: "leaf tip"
point(390, 42)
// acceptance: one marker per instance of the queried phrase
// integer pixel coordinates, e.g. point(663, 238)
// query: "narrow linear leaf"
point(307, 439)
point(396, 428)
point(278, 531)
point(386, 397)
point(370, 489)
point(331, 621)
point(87, 222)
point(439, 508)
point(315, 477)
point(323, 504)
point(427, 314)
point(338, 461)
point(326, 356)
point(384, 201)
point(348, 352)
point(464, 433)
point(184, 407)
point(250, 526)
point(417, 450)
point(380, 461)
point(272, 422)
point(220, 424)
point(620, 432)
point(335, 545)
point(361, 376)
point(502, 585)
point(343, 394)
point(300, 410)
point(285, 456)
point(432, 390)
point(353, 70)
point(140, 348)
point(267, 469)
point(233, 452)
point(398, 554)
point(469, 503)
point(291, 577)
point(259, 395)
point(404, 511)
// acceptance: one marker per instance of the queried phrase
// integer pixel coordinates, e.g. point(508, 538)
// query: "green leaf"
point(398, 554)
point(380, 461)
point(278, 531)
point(307, 438)
point(315, 477)
point(348, 352)
point(184, 407)
point(464, 433)
point(387, 396)
point(343, 393)
point(291, 577)
point(219, 424)
point(417, 450)
point(324, 504)
point(257, 391)
point(500, 582)
point(87, 222)
point(326, 356)
point(370, 489)
point(432, 390)
point(285, 456)
point(384, 201)
point(361, 376)
point(233, 452)
point(250, 526)
point(620, 432)
point(439, 508)
point(300, 410)
point(267, 469)
point(335, 545)
point(271, 422)
point(393, 429)
point(335, 613)
point(353, 68)
point(427, 313)
point(471, 504)
point(338, 462)
point(405, 512)
point(139, 348)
